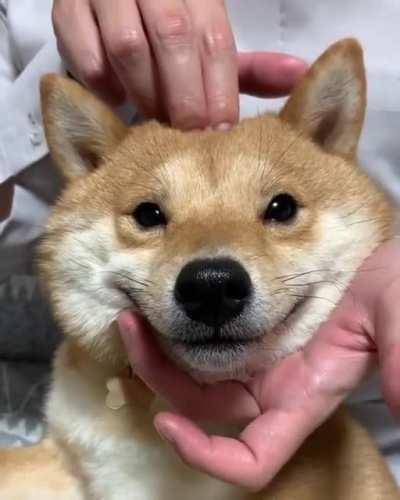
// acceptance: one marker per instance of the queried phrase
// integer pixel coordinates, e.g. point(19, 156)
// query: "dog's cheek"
point(81, 298)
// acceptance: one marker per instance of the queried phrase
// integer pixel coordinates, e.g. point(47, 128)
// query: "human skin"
point(176, 60)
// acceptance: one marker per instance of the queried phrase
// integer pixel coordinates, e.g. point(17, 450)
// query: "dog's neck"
point(121, 387)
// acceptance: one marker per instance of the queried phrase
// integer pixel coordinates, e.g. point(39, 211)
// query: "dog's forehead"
point(251, 153)
point(245, 166)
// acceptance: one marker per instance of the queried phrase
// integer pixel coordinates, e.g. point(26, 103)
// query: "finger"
point(80, 45)
point(173, 41)
point(387, 337)
point(250, 461)
point(373, 299)
point(128, 50)
point(219, 61)
point(269, 74)
point(390, 378)
point(227, 401)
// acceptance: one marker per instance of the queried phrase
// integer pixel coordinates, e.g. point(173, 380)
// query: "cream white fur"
point(118, 464)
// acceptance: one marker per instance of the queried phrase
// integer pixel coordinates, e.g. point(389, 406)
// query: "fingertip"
point(190, 123)
point(166, 426)
point(224, 126)
point(293, 68)
point(269, 74)
point(187, 439)
point(180, 433)
point(127, 322)
point(169, 423)
point(131, 327)
point(177, 429)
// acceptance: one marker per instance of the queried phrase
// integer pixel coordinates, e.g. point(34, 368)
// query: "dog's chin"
point(213, 360)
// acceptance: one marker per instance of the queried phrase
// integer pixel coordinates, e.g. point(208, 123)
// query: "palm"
point(329, 367)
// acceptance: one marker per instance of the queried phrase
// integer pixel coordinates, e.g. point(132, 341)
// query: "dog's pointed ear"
point(329, 103)
point(80, 129)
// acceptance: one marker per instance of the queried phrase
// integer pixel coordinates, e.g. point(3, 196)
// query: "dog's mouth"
point(216, 346)
point(220, 350)
point(215, 349)
point(217, 341)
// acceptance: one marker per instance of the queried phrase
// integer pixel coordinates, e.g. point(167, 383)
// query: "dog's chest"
point(118, 452)
point(128, 476)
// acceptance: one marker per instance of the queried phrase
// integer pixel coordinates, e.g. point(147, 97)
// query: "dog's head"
point(234, 245)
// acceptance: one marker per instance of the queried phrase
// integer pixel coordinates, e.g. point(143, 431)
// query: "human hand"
point(174, 59)
point(6, 197)
point(286, 403)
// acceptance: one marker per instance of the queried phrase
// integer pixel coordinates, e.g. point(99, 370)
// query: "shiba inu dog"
point(234, 245)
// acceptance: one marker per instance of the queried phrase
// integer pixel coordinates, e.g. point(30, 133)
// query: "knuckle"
point(127, 45)
point(93, 73)
point(188, 113)
point(223, 108)
point(219, 41)
point(174, 30)
point(220, 103)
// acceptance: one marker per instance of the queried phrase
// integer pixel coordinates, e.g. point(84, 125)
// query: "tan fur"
point(335, 119)
point(26, 472)
point(213, 188)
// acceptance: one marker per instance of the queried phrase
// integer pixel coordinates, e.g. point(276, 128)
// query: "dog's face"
point(234, 245)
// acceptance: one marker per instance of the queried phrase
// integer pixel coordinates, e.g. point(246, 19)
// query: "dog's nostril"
point(213, 291)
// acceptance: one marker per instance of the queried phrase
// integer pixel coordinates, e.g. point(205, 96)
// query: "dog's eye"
point(282, 208)
point(149, 215)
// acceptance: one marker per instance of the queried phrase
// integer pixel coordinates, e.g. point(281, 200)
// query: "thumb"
point(387, 337)
point(225, 401)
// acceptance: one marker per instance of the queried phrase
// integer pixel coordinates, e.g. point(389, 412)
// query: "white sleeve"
point(7, 69)
point(22, 140)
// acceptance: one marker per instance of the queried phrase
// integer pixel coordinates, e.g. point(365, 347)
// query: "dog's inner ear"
point(329, 104)
point(80, 130)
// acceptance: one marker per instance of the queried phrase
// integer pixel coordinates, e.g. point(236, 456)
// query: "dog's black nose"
point(213, 291)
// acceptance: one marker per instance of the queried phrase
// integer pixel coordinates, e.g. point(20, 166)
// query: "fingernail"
point(164, 433)
point(295, 66)
point(221, 127)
